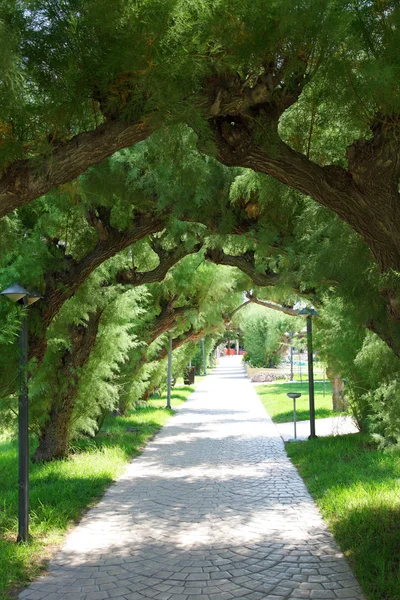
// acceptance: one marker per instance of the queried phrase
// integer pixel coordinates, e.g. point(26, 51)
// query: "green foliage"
point(263, 330)
point(66, 65)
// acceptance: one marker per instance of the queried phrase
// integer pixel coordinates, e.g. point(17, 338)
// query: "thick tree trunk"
point(55, 433)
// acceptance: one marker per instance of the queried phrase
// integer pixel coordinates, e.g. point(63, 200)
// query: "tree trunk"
point(54, 435)
point(339, 401)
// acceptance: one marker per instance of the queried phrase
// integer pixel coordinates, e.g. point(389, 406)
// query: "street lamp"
point(18, 294)
point(169, 380)
point(291, 334)
point(309, 313)
point(204, 357)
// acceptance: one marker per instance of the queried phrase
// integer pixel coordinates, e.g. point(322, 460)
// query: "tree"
point(263, 331)
point(274, 85)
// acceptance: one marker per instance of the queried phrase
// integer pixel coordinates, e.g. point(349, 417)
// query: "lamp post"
point(169, 380)
point(309, 313)
point(291, 334)
point(204, 357)
point(18, 294)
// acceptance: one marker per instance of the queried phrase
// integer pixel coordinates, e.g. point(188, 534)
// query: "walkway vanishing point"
point(212, 509)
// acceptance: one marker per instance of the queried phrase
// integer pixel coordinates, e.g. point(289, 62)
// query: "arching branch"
point(25, 180)
point(69, 274)
point(273, 305)
point(167, 261)
point(244, 262)
point(228, 318)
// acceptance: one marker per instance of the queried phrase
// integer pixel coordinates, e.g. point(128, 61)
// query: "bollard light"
point(294, 396)
point(20, 295)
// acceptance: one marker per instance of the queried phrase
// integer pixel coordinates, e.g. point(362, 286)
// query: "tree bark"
point(365, 195)
point(339, 401)
point(167, 260)
point(54, 435)
point(244, 262)
point(25, 180)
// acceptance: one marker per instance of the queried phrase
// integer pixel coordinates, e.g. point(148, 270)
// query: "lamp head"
point(16, 292)
point(34, 296)
point(308, 312)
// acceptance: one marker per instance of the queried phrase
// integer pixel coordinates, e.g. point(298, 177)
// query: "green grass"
point(61, 491)
point(280, 407)
point(357, 489)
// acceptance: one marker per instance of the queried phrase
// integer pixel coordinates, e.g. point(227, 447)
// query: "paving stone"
point(347, 593)
point(118, 591)
point(212, 509)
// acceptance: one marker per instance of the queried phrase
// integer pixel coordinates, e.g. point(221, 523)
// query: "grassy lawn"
point(60, 491)
point(357, 489)
point(280, 407)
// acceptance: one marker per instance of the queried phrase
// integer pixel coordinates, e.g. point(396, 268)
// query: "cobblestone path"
point(212, 509)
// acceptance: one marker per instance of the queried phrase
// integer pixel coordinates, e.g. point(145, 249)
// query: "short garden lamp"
point(309, 313)
point(294, 396)
point(18, 294)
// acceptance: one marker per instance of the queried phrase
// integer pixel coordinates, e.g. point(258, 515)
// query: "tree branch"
point(228, 318)
point(166, 319)
point(267, 304)
point(167, 261)
point(374, 172)
point(244, 262)
point(62, 284)
point(25, 180)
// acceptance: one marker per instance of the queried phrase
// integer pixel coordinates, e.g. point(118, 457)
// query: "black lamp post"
point(169, 380)
point(18, 294)
point(204, 357)
point(291, 334)
point(309, 313)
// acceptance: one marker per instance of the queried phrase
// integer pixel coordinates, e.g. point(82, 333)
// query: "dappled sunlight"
point(212, 508)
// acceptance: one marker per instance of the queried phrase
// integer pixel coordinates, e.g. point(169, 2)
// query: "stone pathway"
point(212, 509)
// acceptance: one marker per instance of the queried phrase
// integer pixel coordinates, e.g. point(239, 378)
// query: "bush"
point(262, 335)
